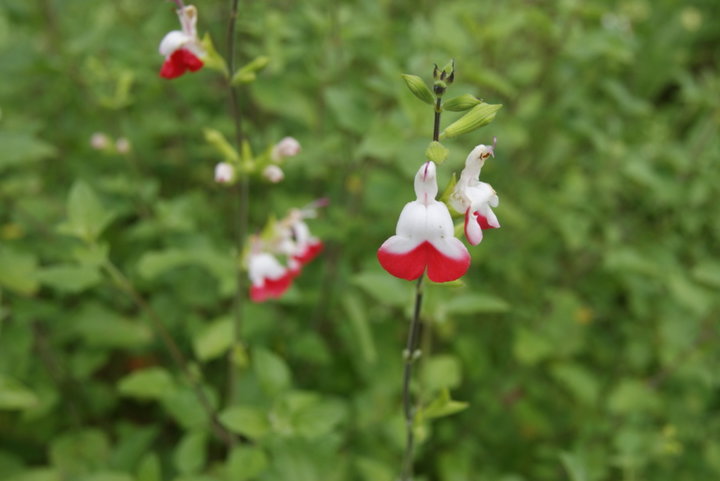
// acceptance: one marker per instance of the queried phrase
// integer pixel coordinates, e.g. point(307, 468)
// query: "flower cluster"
point(289, 238)
point(182, 49)
point(425, 238)
point(287, 147)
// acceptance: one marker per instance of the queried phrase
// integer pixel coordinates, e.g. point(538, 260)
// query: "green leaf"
point(461, 103)
point(22, 148)
point(216, 139)
point(383, 288)
point(441, 406)
point(437, 152)
point(212, 59)
point(247, 73)
point(184, 406)
point(419, 88)
point(479, 116)
point(357, 316)
point(475, 304)
point(271, 371)
point(87, 217)
point(15, 396)
point(631, 395)
point(445, 196)
point(708, 273)
point(149, 468)
point(150, 383)
point(441, 372)
point(191, 454)
point(18, 271)
point(80, 452)
point(101, 327)
point(246, 462)
point(574, 467)
point(246, 420)
point(69, 277)
point(214, 340)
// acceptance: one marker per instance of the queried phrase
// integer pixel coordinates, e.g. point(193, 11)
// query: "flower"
point(424, 237)
point(298, 243)
point(182, 48)
point(269, 279)
point(474, 198)
point(122, 145)
point(287, 147)
point(273, 173)
point(224, 173)
point(99, 141)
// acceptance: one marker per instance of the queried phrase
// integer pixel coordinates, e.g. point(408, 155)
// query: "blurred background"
point(585, 336)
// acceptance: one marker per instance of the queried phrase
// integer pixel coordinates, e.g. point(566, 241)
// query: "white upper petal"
point(264, 266)
point(426, 183)
point(173, 41)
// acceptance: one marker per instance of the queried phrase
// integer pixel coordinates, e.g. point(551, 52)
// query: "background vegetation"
point(584, 339)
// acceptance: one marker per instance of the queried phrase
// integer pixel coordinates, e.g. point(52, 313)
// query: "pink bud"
point(287, 147)
point(122, 145)
point(273, 173)
point(99, 141)
point(224, 173)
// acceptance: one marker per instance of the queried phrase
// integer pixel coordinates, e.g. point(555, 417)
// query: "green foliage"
point(581, 345)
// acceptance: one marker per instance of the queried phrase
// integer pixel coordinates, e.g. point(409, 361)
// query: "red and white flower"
point(224, 173)
point(181, 48)
point(475, 198)
point(269, 279)
point(300, 245)
point(425, 239)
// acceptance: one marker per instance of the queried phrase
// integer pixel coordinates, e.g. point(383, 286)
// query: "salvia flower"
point(475, 198)
point(181, 48)
point(288, 239)
point(425, 239)
point(224, 173)
point(273, 173)
point(287, 147)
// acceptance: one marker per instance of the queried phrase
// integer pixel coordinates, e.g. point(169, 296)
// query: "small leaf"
point(461, 103)
point(246, 462)
point(150, 383)
point(149, 468)
point(437, 152)
point(479, 116)
point(247, 73)
point(441, 406)
point(191, 453)
point(475, 304)
point(18, 271)
point(219, 142)
point(246, 420)
point(70, 278)
point(214, 340)
point(212, 59)
point(419, 88)
point(271, 370)
point(14, 395)
point(445, 196)
point(22, 148)
point(441, 372)
point(87, 217)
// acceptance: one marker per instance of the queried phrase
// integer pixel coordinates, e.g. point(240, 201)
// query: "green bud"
point(418, 87)
point(480, 115)
point(212, 59)
point(247, 73)
point(439, 87)
point(436, 152)
point(461, 103)
point(445, 196)
point(218, 140)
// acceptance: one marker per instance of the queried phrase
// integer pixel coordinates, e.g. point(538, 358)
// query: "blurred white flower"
point(122, 145)
point(99, 141)
point(287, 147)
point(224, 173)
point(273, 173)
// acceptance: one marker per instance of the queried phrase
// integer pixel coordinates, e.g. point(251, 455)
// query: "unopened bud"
point(99, 141)
point(287, 147)
point(122, 145)
point(273, 173)
point(224, 173)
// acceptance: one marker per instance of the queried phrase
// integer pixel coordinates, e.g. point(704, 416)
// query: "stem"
point(411, 353)
point(410, 357)
point(125, 284)
point(242, 194)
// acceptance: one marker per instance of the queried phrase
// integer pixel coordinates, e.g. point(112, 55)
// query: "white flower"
point(122, 145)
point(287, 147)
point(475, 198)
point(224, 173)
point(99, 141)
point(273, 173)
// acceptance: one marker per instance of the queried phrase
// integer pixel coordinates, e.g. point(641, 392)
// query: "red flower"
point(181, 48)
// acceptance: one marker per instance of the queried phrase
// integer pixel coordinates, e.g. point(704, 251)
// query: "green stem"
point(242, 194)
point(126, 285)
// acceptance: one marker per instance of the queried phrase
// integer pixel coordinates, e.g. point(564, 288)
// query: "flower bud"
point(273, 173)
point(419, 89)
point(224, 173)
point(122, 145)
point(99, 141)
point(287, 147)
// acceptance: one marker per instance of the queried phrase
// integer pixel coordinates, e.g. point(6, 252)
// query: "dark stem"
point(242, 194)
point(436, 125)
point(175, 352)
point(411, 355)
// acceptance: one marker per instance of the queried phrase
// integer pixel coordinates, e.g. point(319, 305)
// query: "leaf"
point(22, 148)
point(461, 103)
point(271, 371)
point(18, 271)
point(479, 116)
point(441, 406)
point(70, 278)
point(149, 468)
point(475, 304)
point(574, 467)
point(191, 454)
point(383, 288)
point(437, 152)
point(441, 372)
point(212, 59)
point(214, 340)
point(87, 217)
point(150, 383)
point(15, 396)
point(419, 88)
point(100, 327)
point(246, 420)
point(356, 313)
point(708, 273)
point(218, 141)
point(80, 452)
point(247, 73)
point(246, 462)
